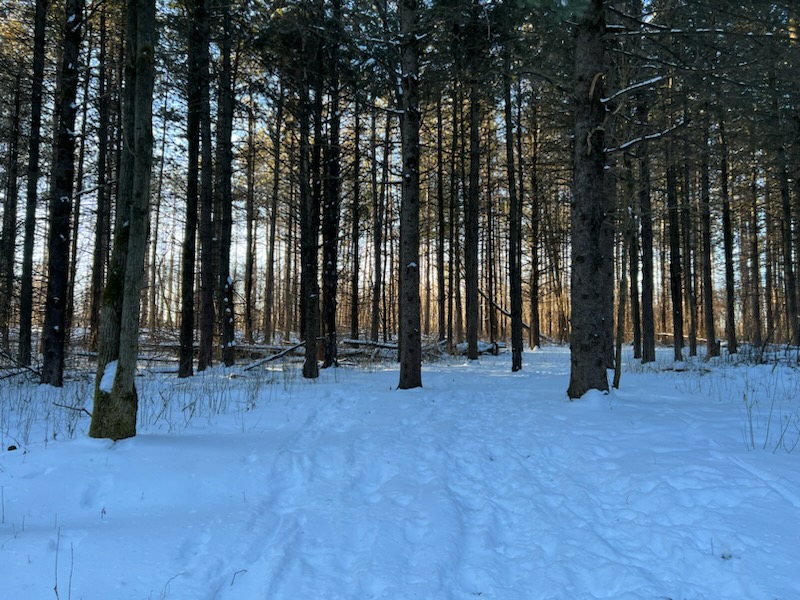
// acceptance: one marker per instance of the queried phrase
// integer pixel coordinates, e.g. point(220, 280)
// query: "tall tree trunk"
point(472, 206)
point(535, 324)
point(197, 48)
point(269, 297)
point(9, 229)
point(332, 200)
point(250, 224)
point(309, 233)
point(727, 240)
point(31, 197)
point(688, 245)
point(154, 231)
point(224, 193)
point(646, 221)
point(514, 224)
point(378, 208)
point(115, 406)
point(592, 228)
point(205, 349)
point(61, 199)
point(410, 341)
point(755, 258)
point(103, 224)
point(675, 265)
point(355, 223)
point(705, 220)
point(441, 225)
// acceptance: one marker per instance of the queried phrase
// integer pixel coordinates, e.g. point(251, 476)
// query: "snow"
point(107, 381)
point(482, 484)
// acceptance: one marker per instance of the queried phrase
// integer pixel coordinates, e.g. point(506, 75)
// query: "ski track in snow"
point(503, 491)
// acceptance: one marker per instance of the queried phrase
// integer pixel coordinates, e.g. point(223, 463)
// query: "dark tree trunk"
point(197, 49)
point(472, 206)
point(646, 221)
point(535, 324)
point(250, 225)
point(103, 223)
point(441, 225)
point(705, 220)
point(331, 200)
point(378, 208)
point(410, 341)
point(269, 297)
point(31, 197)
point(675, 266)
point(591, 214)
point(688, 244)
point(755, 258)
point(514, 225)
point(224, 193)
point(355, 225)
point(61, 199)
point(309, 233)
point(727, 241)
point(9, 230)
point(633, 258)
point(207, 319)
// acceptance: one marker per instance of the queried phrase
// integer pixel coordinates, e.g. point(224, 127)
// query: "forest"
point(215, 180)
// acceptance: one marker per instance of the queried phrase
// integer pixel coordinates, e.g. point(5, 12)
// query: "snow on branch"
point(645, 138)
point(634, 87)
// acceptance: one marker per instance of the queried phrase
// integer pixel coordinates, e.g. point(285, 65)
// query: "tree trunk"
point(705, 220)
point(223, 192)
point(309, 232)
point(727, 240)
point(103, 223)
point(331, 199)
point(410, 342)
point(472, 206)
point(9, 230)
point(61, 199)
point(675, 266)
point(514, 224)
point(646, 222)
point(269, 297)
point(114, 414)
point(441, 225)
point(31, 197)
point(755, 258)
point(355, 225)
point(250, 225)
point(592, 228)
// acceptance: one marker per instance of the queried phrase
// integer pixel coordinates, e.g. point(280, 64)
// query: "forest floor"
point(482, 484)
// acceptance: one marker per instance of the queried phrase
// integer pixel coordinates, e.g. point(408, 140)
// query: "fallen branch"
point(268, 359)
point(75, 408)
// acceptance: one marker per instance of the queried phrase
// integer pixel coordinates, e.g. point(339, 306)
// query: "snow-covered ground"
point(483, 484)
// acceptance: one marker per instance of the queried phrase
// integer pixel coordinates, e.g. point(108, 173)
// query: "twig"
point(233, 579)
point(75, 408)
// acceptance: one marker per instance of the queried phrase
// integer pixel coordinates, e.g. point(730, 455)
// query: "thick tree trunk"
point(410, 342)
point(250, 226)
point(755, 258)
point(115, 406)
point(61, 199)
point(378, 208)
point(535, 324)
point(440, 219)
point(591, 214)
point(688, 246)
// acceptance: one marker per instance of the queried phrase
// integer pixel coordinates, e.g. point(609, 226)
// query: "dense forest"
point(212, 177)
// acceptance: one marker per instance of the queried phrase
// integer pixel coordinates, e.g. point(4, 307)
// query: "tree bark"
point(114, 414)
point(591, 213)
point(514, 224)
point(61, 199)
point(675, 266)
point(705, 220)
point(31, 196)
point(646, 223)
point(410, 342)
point(727, 241)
